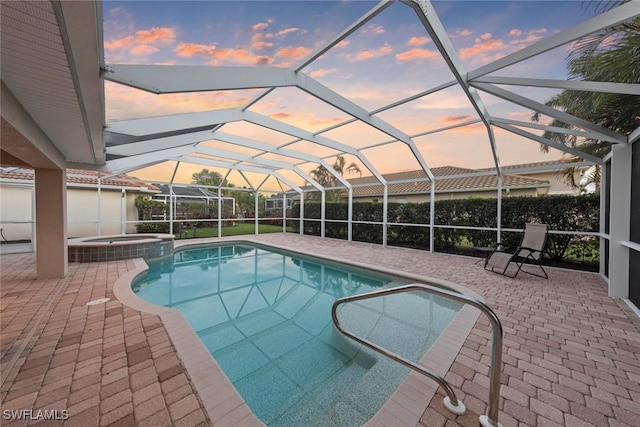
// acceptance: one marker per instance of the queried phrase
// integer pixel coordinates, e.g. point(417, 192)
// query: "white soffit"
point(50, 63)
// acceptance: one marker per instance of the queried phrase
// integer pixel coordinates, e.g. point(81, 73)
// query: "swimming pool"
point(265, 316)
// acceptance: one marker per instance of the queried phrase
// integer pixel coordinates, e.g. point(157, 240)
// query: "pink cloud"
point(374, 29)
point(259, 41)
point(515, 32)
point(143, 41)
point(367, 54)
point(191, 49)
point(417, 41)
point(292, 52)
point(416, 53)
point(280, 116)
point(119, 43)
point(531, 37)
point(343, 43)
point(157, 34)
point(482, 48)
point(287, 31)
point(261, 26)
point(454, 119)
point(464, 33)
point(322, 72)
point(237, 56)
point(485, 36)
point(143, 50)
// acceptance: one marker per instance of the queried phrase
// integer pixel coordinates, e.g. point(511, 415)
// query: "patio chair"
point(529, 251)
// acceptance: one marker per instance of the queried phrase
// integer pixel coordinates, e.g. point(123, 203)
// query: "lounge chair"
point(529, 251)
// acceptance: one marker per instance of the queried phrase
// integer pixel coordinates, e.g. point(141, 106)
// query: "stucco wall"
point(82, 211)
point(557, 181)
point(16, 205)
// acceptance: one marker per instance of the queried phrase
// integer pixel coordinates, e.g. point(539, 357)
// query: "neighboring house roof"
point(416, 182)
point(186, 192)
point(422, 186)
point(561, 165)
point(81, 178)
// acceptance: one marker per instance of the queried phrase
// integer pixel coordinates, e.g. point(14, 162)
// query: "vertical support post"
point(620, 219)
point(350, 218)
point(170, 209)
point(322, 213)
point(123, 211)
point(432, 216)
point(284, 212)
point(385, 213)
point(301, 213)
point(499, 214)
point(255, 219)
point(603, 207)
point(219, 212)
point(173, 177)
point(99, 204)
point(51, 223)
point(33, 220)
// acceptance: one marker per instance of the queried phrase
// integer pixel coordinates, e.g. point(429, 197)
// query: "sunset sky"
point(390, 58)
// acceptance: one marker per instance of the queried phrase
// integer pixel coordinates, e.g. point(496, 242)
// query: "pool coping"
point(222, 401)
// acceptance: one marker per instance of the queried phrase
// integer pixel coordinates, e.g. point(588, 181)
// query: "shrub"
point(567, 213)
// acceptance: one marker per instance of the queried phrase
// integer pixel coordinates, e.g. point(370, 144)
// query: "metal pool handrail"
point(451, 401)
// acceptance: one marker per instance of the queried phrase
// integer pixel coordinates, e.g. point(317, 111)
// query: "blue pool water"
point(265, 316)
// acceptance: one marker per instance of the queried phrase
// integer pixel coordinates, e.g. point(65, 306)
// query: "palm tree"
point(322, 176)
point(612, 54)
point(207, 177)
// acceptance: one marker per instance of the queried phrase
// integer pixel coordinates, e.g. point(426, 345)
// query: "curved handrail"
point(451, 401)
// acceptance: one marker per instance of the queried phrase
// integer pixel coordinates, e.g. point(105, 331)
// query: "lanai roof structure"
point(55, 70)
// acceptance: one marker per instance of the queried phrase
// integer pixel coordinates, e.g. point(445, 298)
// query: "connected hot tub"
point(120, 246)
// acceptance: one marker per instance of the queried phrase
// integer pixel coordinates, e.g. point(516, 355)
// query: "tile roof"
point(83, 177)
point(470, 183)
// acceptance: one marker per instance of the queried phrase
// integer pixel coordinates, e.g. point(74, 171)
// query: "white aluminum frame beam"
point(161, 79)
point(227, 165)
point(608, 19)
point(267, 148)
point(162, 143)
point(372, 13)
point(431, 22)
point(555, 129)
point(581, 85)
point(551, 112)
point(174, 123)
point(550, 143)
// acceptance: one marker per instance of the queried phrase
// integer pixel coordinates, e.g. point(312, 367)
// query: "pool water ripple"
point(265, 317)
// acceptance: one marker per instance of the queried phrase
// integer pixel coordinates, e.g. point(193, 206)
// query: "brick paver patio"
point(571, 354)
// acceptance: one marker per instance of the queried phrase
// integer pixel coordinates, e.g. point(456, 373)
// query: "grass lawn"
point(236, 230)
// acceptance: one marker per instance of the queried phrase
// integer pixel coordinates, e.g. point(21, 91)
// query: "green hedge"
point(566, 213)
